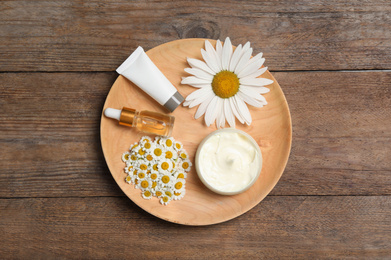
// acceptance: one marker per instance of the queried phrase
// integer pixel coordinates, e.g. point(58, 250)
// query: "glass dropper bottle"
point(144, 121)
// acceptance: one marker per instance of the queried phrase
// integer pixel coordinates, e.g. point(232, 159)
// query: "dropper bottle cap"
point(124, 116)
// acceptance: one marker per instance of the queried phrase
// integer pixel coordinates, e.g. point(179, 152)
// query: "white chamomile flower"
point(145, 139)
point(180, 175)
point(143, 164)
point(170, 154)
point(148, 147)
point(158, 192)
point(129, 168)
point(167, 142)
point(144, 184)
point(178, 146)
point(154, 175)
point(179, 195)
point(128, 179)
point(133, 146)
point(179, 185)
point(166, 179)
point(164, 200)
point(164, 165)
point(146, 194)
point(149, 157)
point(158, 152)
point(141, 175)
point(185, 165)
point(125, 156)
point(138, 151)
point(227, 80)
point(183, 155)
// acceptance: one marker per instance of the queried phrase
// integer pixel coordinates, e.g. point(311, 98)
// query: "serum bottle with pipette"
point(144, 121)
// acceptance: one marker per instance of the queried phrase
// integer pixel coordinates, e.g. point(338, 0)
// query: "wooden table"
point(59, 200)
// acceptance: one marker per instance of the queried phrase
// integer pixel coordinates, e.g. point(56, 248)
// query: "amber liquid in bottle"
point(153, 123)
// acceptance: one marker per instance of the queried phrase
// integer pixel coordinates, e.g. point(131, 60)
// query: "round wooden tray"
point(271, 129)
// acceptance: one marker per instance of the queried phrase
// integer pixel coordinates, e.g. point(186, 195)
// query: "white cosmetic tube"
point(139, 69)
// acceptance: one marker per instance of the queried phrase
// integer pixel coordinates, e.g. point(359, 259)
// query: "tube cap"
point(174, 102)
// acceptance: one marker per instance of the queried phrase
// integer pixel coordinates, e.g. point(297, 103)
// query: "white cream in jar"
point(228, 161)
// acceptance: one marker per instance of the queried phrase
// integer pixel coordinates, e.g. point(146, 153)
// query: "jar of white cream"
point(228, 161)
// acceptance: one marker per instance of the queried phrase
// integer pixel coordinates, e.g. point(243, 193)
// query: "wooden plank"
point(49, 134)
point(98, 36)
point(279, 227)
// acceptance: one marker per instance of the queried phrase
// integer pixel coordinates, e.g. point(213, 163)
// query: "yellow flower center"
point(141, 175)
point(147, 193)
point(181, 175)
point(153, 176)
point(165, 165)
point(165, 199)
point(154, 184)
point(128, 178)
point(178, 185)
point(183, 155)
point(126, 157)
point(185, 165)
point(147, 145)
point(149, 157)
point(178, 146)
point(168, 142)
point(159, 193)
point(225, 84)
point(157, 152)
point(144, 184)
point(141, 152)
point(168, 154)
point(133, 157)
point(143, 167)
point(165, 179)
point(155, 167)
point(168, 193)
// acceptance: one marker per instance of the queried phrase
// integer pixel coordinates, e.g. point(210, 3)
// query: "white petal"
point(251, 90)
point(251, 68)
point(228, 113)
point(226, 55)
point(202, 108)
point(256, 58)
point(249, 100)
point(211, 111)
point(243, 110)
point(245, 48)
point(194, 63)
point(257, 73)
point(255, 81)
point(199, 73)
point(235, 58)
point(200, 100)
point(234, 108)
point(212, 53)
point(220, 118)
point(186, 103)
point(210, 61)
point(194, 80)
point(243, 61)
point(219, 49)
point(198, 93)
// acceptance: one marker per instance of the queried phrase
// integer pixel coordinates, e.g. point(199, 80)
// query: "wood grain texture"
point(99, 35)
point(341, 145)
point(115, 228)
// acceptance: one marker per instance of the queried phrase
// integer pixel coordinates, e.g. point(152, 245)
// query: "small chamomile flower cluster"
point(158, 168)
